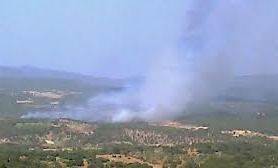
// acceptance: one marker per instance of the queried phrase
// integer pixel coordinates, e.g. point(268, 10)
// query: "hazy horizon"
point(188, 50)
point(98, 38)
point(125, 38)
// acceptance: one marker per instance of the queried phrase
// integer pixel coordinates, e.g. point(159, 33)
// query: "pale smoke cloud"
point(165, 85)
point(224, 38)
point(221, 39)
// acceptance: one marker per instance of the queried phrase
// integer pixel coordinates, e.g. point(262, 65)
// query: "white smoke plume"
point(220, 39)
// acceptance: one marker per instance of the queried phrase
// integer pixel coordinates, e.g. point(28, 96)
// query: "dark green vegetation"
point(231, 115)
point(68, 143)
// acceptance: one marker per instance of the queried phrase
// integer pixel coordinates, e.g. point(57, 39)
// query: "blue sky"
point(96, 37)
point(122, 38)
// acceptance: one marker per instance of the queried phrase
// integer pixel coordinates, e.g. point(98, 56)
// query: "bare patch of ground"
point(248, 133)
point(175, 124)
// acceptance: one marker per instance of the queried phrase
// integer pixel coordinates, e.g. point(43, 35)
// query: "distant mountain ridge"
point(34, 72)
point(262, 87)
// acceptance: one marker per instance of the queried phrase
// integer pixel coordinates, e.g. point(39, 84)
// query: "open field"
point(61, 142)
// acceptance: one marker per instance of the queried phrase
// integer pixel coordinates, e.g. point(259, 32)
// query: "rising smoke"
point(220, 40)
